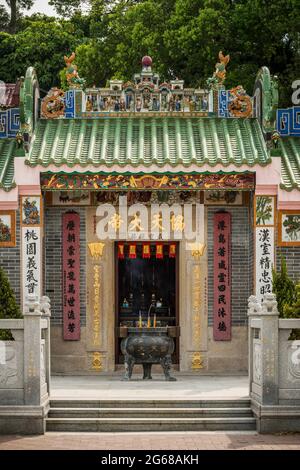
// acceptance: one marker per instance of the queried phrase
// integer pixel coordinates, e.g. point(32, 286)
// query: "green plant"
point(283, 287)
point(293, 311)
point(8, 305)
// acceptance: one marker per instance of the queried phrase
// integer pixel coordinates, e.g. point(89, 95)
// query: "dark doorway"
point(146, 285)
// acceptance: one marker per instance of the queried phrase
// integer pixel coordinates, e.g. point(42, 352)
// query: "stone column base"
point(23, 419)
point(276, 418)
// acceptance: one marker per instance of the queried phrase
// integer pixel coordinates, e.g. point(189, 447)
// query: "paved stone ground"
point(187, 387)
point(152, 441)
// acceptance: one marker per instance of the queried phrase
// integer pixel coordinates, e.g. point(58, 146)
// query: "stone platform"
point(187, 387)
point(108, 404)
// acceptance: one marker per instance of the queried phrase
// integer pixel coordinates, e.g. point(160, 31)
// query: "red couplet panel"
point(71, 275)
point(222, 276)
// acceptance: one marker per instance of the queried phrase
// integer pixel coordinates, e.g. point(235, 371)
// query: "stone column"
point(269, 322)
point(46, 313)
point(32, 352)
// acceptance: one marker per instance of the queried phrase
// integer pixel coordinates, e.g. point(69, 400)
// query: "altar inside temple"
point(146, 291)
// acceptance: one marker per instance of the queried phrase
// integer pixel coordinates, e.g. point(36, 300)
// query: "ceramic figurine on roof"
point(53, 105)
point(146, 93)
point(73, 79)
point(240, 104)
point(219, 75)
point(220, 72)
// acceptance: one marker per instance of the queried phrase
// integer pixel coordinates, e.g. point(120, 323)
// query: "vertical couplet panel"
point(222, 276)
point(71, 275)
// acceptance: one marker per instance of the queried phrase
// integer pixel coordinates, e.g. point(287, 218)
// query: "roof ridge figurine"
point(73, 78)
point(219, 75)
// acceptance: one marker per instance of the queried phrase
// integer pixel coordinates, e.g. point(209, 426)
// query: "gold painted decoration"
point(196, 304)
point(96, 306)
point(97, 361)
point(169, 181)
point(197, 249)
point(148, 181)
point(96, 250)
point(197, 361)
point(53, 106)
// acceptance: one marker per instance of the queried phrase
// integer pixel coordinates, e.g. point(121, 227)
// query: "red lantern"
point(172, 250)
point(132, 251)
point(146, 250)
point(121, 253)
point(159, 251)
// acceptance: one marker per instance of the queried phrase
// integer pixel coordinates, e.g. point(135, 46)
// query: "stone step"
point(143, 412)
point(135, 403)
point(150, 424)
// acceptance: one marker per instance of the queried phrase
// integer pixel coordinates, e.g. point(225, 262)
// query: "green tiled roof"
point(290, 163)
point(7, 148)
point(146, 141)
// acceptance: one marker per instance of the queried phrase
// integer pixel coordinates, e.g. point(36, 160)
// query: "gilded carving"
point(196, 304)
point(53, 105)
point(197, 361)
point(96, 250)
point(197, 249)
point(168, 181)
point(96, 306)
point(97, 361)
point(240, 103)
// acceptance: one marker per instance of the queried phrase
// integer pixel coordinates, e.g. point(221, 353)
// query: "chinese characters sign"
point(222, 277)
point(96, 309)
point(31, 261)
point(71, 275)
point(264, 260)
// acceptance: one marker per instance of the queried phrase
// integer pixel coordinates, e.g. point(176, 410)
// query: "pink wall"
point(267, 179)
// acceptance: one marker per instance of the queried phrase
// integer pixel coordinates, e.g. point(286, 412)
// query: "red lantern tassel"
point(146, 250)
point(172, 250)
point(121, 254)
point(159, 251)
point(132, 251)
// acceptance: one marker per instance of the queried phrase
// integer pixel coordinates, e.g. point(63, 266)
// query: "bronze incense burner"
point(148, 346)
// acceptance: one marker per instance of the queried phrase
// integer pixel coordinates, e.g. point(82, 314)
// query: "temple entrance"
point(146, 287)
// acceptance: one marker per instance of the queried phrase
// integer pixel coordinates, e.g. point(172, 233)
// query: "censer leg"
point(166, 363)
point(128, 363)
point(147, 371)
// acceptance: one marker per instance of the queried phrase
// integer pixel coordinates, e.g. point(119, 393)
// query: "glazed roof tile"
point(7, 147)
point(290, 163)
point(147, 141)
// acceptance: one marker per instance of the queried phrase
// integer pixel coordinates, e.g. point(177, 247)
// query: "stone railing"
point(274, 367)
point(25, 370)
